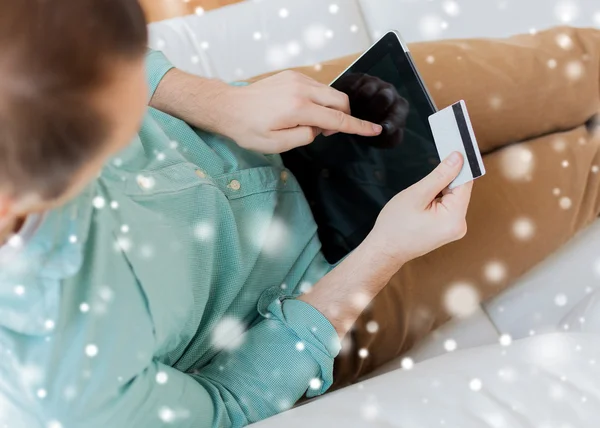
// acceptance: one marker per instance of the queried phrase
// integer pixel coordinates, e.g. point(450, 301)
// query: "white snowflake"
point(316, 383)
point(564, 41)
point(450, 345)
point(284, 13)
point(19, 290)
point(461, 300)
point(204, 45)
point(476, 384)
point(430, 59)
point(552, 64)
point(561, 300)
point(300, 346)
point(199, 11)
point(565, 203)
point(98, 202)
point(574, 70)
point(84, 307)
point(162, 378)
point(124, 228)
point(524, 228)
point(15, 241)
point(314, 36)
point(505, 340)
point(294, 48)
point(597, 18)
point(257, 35)
point(106, 293)
point(451, 8)
point(369, 411)
point(41, 393)
point(277, 57)
point(70, 393)
point(360, 300)
point(49, 324)
point(496, 102)
point(595, 169)
point(305, 287)
point(566, 11)
point(363, 353)
point(123, 244)
point(54, 424)
point(495, 271)
point(354, 28)
point(430, 26)
point(91, 350)
point(517, 163)
point(372, 327)
point(549, 350)
point(407, 363)
point(166, 414)
point(334, 9)
point(73, 239)
point(228, 334)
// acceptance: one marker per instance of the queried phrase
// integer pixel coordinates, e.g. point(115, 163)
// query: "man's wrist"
point(204, 103)
point(381, 256)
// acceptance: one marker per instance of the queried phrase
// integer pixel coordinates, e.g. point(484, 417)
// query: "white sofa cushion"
point(252, 38)
point(550, 381)
point(445, 19)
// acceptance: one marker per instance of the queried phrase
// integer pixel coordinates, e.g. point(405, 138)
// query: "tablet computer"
point(349, 179)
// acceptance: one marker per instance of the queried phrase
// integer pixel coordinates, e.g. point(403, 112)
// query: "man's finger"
point(335, 120)
point(432, 185)
point(328, 97)
point(289, 139)
point(458, 199)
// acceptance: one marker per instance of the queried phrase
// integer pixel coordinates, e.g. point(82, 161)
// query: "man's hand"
point(285, 111)
point(417, 221)
point(412, 224)
point(273, 115)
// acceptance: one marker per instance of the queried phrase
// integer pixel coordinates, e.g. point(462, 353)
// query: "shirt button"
point(284, 176)
point(200, 173)
point(234, 185)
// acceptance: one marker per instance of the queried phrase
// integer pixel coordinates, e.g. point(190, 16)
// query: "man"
point(179, 282)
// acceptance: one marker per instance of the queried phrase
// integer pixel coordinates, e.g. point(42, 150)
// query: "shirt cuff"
point(315, 333)
point(157, 65)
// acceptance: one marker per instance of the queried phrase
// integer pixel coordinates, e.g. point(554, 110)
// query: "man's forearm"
point(343, 294)
point(196, 100)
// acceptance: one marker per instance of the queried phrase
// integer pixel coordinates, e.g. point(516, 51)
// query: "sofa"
point(431, 386)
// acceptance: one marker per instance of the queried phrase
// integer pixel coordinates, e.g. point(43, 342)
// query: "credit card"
point(453, 132)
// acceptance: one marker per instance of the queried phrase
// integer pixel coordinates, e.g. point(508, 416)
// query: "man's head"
point(72, 93)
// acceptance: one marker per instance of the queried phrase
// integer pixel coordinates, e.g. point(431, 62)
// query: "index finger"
point(335, 120)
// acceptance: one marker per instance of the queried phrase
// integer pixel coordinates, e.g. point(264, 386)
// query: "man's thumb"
point(432, 185)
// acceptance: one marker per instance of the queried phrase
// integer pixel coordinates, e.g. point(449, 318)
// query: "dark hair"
point(53, 55)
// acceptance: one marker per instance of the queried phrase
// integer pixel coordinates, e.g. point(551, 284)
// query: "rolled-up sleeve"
point(157, 65)
point(287, 353)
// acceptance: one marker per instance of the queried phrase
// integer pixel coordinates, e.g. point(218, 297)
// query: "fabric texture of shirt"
point(163, 295)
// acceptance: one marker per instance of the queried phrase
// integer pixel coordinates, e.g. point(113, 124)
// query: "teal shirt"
point(163, 295)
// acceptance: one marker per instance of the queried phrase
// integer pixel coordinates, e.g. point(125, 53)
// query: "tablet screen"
point(349, 179)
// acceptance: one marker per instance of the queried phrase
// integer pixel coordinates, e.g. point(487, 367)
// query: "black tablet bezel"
point(392, 43)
